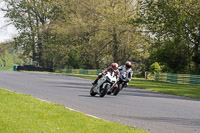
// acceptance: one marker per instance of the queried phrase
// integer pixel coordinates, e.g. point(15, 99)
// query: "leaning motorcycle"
point(120, 84)
point(104, 84)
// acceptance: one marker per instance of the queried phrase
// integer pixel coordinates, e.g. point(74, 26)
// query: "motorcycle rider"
point(127, 68)
point(112, 68)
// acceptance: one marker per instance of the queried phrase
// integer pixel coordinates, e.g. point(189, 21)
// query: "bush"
point(155, 67)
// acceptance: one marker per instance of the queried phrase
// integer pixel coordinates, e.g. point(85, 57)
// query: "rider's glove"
point(104, 73)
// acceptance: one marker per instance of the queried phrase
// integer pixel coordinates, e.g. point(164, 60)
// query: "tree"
point(155, 67)
point(81, 33)
point(173, 26)
point(100, 30)
point(9, 56)
point(31, 18)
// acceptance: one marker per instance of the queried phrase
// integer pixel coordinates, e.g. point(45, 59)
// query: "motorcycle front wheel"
point(103, 91)
point(117, 90)
point(92, 93)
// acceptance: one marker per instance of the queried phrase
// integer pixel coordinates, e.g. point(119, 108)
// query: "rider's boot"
point(126, 85)
point(95, 81)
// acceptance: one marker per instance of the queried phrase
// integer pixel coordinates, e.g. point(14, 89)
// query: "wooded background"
point(159, 35)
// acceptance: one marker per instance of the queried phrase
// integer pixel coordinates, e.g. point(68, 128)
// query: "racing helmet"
point(128, 64)
point(115, 66)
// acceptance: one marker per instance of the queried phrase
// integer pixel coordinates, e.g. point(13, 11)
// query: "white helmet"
point(115, 66)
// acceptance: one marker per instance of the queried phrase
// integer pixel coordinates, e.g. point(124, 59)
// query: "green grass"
point(6, 68)
point(192, 91)
point(21, 113)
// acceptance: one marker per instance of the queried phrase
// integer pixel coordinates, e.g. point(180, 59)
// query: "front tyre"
point(92, 93)
point(103, 91)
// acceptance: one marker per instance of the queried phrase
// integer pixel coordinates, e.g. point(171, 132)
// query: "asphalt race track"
point(151, 111)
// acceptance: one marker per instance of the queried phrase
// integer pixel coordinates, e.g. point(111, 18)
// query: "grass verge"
point(192, 91)
point(6, 68)
point(21, 113)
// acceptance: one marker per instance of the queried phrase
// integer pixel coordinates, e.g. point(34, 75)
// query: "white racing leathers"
point(129, 72)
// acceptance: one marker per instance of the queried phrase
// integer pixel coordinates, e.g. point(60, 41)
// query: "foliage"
point(155, 67)
point(6, 59)
point(93, 34)
point(173, 27)
point(97, 30)
point(9, 56)
point(31, 19)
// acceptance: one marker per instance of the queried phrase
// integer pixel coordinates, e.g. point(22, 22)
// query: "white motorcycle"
point(104, 84)
point(122, 81)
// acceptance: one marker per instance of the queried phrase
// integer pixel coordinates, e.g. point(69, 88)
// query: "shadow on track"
point(146, 93)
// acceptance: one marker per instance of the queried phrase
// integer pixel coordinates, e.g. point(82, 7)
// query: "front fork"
point(111, 88)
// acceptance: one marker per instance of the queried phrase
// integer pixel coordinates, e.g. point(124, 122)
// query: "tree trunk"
point(197, 56)
point(115, 47)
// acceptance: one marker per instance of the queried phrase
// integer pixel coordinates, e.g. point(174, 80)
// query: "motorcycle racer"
point(127, 68)
point(112, 68)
